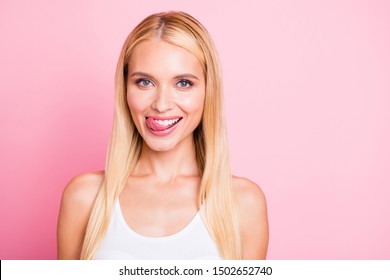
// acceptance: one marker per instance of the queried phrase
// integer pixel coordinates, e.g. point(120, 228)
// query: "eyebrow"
point(181, 76)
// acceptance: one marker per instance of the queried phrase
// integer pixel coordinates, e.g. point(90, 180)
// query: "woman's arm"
point(253, 219)
point(76, 205)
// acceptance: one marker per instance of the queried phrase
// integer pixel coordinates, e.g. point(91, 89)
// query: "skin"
point(161, 195)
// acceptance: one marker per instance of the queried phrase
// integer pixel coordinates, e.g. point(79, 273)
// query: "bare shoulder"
point(82, 189)
point(76, 205)
point(249, 194)
point(253, 218)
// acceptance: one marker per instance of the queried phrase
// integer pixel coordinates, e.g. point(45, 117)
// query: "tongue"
point(155, 126)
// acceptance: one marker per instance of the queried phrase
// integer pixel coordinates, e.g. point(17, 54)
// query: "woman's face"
point(165, 93)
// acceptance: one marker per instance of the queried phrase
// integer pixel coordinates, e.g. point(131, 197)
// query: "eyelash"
point(188, 83)
point(140, 81)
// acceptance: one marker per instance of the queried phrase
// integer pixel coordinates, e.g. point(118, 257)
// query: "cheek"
point(196, 106)
point(136, 105)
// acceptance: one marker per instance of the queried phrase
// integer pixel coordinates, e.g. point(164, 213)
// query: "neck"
point(167, 165)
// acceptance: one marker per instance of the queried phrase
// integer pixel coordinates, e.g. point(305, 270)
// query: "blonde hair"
point(216, 197)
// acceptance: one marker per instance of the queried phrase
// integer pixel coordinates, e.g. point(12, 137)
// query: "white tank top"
point(121, 242)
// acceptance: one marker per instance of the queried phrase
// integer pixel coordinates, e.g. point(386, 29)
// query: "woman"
point(167, 191)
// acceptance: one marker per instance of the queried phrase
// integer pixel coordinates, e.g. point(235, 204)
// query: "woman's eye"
point(184, 83)
point(144, 83)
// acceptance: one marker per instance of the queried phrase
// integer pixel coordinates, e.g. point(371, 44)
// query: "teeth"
point(167, 122)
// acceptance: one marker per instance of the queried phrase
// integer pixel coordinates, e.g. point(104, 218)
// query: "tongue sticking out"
point(155, 126)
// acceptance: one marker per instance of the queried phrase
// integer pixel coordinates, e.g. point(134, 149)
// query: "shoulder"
point(250, 198)
point(249, 195)
point(80, 193)
point(82, 189)
point(253, 218)
point(76, 205)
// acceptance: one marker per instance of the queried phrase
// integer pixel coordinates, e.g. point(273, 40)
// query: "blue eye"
point(184, 83)
point(144, 83)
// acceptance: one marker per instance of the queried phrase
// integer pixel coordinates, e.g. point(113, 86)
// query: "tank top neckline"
point(195, 220)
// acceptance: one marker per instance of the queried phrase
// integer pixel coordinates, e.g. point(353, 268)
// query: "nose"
point(163, 101)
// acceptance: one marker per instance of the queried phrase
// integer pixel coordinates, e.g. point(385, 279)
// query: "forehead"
point(160, 58)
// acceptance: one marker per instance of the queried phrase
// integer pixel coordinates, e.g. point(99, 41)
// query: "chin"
point(159, 146)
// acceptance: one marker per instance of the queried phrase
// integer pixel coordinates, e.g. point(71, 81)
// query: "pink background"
point(307, 98)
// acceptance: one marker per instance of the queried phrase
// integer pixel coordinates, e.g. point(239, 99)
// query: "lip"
point(164, 132)
point(164, 118)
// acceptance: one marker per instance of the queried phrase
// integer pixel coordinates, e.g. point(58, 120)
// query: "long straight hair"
point(216, 198)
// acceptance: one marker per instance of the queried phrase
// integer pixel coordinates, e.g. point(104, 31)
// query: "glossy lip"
point(164, 118)
point(166, 131)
